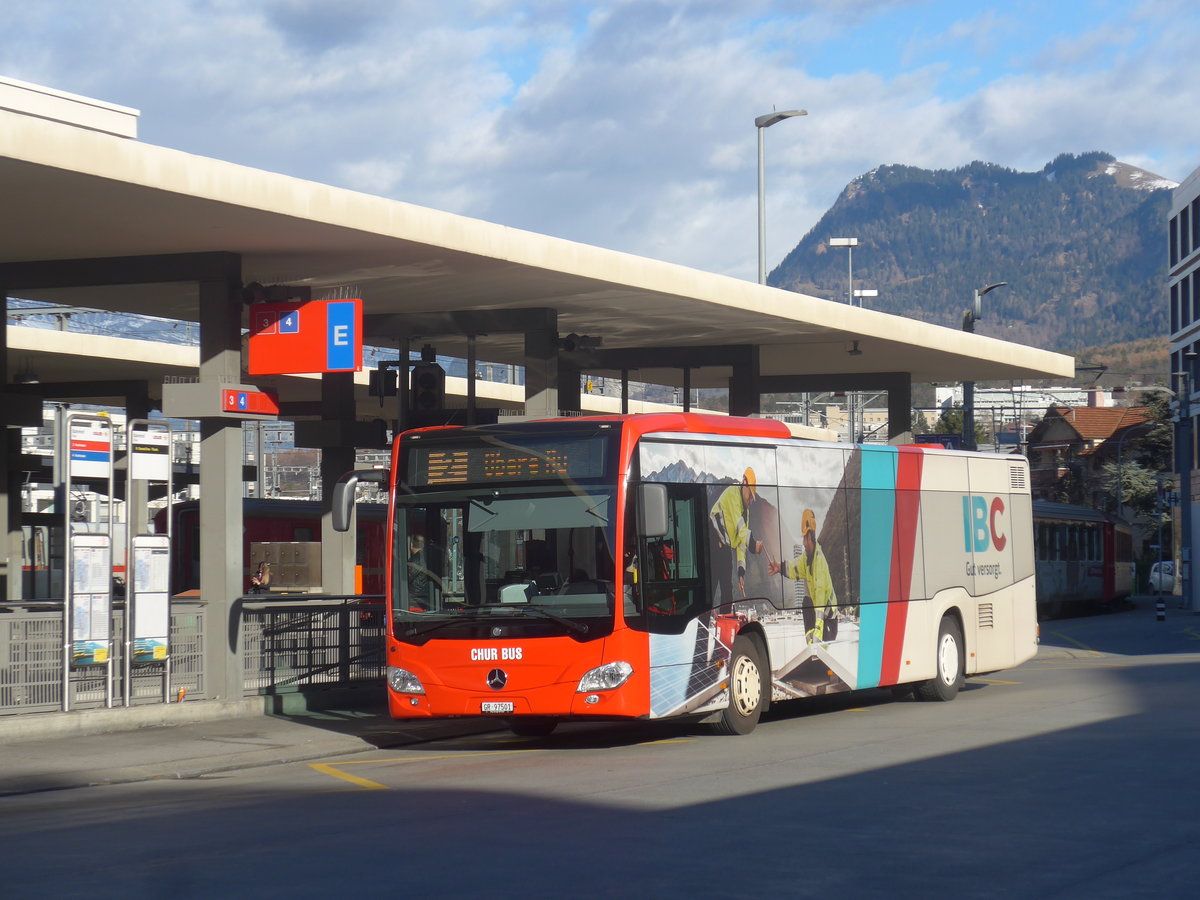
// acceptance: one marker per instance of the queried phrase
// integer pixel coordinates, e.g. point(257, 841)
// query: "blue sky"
point(629, 123)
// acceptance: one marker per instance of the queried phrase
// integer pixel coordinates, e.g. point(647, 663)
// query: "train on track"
point(1084, 559)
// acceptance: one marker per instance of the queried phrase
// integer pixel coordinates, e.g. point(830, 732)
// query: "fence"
point(289, 645)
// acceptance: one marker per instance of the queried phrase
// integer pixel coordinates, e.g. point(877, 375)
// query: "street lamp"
point(1182, 452)
point(970, 317)
point(1120, 467)
point(849, 244)
point(865, 292)
point(761, 124)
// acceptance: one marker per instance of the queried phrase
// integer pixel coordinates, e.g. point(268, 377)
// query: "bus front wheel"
point(950, 662)
point(747, 689)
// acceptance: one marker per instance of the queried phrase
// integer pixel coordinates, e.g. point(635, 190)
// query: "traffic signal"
point(428, 387)
point(381, 381)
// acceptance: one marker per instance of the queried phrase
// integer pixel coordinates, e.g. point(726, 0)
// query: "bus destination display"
point(496, 463)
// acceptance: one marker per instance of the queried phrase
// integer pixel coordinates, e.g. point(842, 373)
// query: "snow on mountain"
point(1138, 179)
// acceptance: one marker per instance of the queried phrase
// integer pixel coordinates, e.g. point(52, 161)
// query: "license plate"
point(492, 706)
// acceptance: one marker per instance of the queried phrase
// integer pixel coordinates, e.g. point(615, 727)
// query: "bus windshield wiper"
point(517, 609)
point(415, 630)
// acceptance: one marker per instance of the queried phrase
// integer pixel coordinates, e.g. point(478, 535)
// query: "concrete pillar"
point(569, 394)
point(744, 393)
point(541, 369)
point(221, 553)
point(899, 399)
point(337, 548)
point(137, 493)
point(10, 485)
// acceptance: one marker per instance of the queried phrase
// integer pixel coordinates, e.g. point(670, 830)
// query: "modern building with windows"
point(1183, 277)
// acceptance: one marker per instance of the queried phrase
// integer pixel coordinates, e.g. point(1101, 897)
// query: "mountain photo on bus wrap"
point(1081, 245)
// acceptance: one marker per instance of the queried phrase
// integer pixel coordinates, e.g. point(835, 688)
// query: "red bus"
point(687, 565)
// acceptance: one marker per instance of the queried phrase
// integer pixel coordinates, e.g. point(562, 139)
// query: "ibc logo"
point(983, 523)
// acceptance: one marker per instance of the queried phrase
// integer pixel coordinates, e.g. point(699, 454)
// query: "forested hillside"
point(1082, 245)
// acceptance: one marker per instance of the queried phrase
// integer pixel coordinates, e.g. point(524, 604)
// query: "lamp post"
point(865, 292)
point(970, 317)
point(1120, 466)
point(761, 124)
point(1184, 536)
point(849, 243)
point(1181, 528)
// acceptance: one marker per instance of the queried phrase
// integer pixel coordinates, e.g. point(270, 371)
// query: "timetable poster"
point(91, 599)
point(150, 598)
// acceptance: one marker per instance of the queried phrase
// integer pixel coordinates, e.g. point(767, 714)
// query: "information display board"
point(90, 453)
point(91, 599)
point(149, 453)
point(472, 461)
point(149, 587)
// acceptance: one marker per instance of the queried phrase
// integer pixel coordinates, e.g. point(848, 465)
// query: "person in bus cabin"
point(418, 573)
point(730, 518)
point(820, 619)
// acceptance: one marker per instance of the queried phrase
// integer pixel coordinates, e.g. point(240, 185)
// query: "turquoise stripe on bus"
point(876, 521)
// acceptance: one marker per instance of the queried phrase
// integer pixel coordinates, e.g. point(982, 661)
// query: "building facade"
point(1184, 285)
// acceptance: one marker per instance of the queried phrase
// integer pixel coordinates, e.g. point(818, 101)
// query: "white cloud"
point(626, 123)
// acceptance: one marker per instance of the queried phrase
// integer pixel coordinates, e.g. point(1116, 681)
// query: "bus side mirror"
point(343, 494)
point(652, 510)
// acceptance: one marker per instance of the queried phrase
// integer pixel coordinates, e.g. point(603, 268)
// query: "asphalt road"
point(1071, 776)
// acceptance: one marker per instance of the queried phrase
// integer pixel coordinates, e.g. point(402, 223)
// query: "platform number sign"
point(305, 337)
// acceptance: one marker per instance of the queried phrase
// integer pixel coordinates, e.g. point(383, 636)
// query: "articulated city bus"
point(666, 565)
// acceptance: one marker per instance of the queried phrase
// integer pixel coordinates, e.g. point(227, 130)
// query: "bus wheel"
point(949, 659)
point(746, 689)
point(534, 726)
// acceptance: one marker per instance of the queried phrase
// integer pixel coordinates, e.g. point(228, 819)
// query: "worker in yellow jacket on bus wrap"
point(730, 519)
point(812, 566)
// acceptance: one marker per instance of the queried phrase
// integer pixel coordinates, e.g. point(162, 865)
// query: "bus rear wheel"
point(533, 726)
point(950, 661)
point(747, 689)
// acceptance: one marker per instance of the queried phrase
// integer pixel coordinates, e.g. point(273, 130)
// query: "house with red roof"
point(1069, 447)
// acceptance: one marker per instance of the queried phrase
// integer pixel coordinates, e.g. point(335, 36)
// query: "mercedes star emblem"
point(497, 679)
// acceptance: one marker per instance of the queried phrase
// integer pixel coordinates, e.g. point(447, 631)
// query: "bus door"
point(671, 587)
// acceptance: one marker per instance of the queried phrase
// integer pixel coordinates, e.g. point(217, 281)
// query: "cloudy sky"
point(629, 123)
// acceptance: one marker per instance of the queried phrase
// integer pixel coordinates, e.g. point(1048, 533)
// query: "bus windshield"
point(530, 561)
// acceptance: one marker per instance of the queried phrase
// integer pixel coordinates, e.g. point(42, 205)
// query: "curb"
point(84, 722)
point(130, 774)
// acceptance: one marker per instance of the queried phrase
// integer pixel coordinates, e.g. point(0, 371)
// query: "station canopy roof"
point(77, 193)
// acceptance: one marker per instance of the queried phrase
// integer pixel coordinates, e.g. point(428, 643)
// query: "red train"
point(1084, 559)
point(276, 520)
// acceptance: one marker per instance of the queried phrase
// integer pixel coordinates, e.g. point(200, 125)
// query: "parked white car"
point(1162, 577)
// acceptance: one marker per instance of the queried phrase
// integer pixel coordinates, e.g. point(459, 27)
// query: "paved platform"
point(214, 737)
point(54, 751)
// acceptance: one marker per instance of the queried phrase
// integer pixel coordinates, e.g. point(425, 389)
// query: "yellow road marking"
point(1078, 644)
point(335, 769)
point(327, 769)
point(667, 741)
point(994, 681)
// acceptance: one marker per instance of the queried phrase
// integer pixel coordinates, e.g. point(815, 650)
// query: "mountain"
point(1081, 244)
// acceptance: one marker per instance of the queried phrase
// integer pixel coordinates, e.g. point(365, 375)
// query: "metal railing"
point(290, 644)
point(332, 641)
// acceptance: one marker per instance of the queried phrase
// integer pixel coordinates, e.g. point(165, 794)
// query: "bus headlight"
point(605, 678)
point(403, 681)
